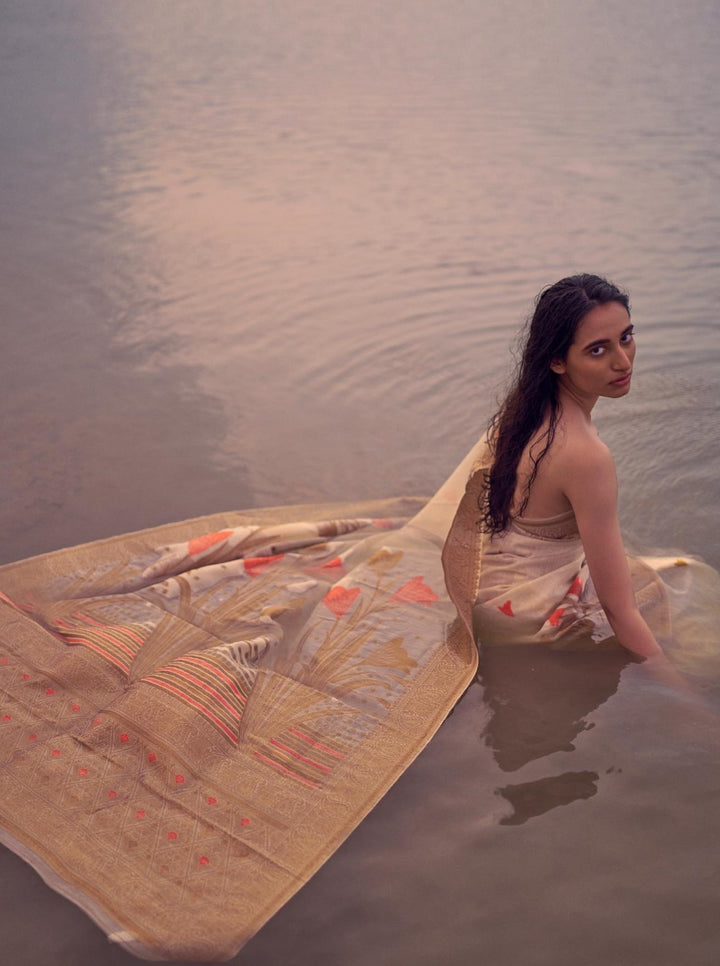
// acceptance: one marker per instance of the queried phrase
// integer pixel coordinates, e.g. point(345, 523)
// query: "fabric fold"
point(191, 725)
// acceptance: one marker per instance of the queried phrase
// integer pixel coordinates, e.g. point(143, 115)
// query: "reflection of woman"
point(552, 565)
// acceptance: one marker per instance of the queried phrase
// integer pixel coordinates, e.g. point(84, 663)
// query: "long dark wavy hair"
point(548, 335)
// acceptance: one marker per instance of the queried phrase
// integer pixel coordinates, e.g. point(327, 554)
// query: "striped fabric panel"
point(117, 643)
point(209, 686)
point(301, 754)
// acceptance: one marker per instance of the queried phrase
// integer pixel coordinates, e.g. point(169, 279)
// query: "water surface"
point(257, 253)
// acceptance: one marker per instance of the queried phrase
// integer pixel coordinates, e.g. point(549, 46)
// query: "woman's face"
point(599, 362)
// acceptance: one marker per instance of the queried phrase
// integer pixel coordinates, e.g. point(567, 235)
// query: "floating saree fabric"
point(194, 717)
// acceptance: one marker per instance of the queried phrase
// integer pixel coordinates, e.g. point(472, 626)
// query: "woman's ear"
point(557, 366)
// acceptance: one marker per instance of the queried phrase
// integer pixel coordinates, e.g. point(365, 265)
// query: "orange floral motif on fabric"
point(199, 544)
point(415, 591)
point(555, 617)
point(575, 587)
point(254, 566)
point(339, 600)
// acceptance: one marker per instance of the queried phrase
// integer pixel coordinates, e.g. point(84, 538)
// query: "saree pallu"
point(193, 718)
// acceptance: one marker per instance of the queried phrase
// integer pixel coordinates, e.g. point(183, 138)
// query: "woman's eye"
point(626, 337)
point(597, 350)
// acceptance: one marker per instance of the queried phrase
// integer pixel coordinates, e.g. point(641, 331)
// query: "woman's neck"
point(572, 401)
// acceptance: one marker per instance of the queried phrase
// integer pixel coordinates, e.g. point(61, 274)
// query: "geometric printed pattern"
point(117, 643)
point(208, 685)
point(301, 755)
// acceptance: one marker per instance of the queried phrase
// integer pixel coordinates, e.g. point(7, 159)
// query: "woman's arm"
point(590, 484)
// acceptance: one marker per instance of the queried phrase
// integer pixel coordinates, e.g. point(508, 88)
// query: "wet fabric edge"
point(63, 886)
point(448, 674)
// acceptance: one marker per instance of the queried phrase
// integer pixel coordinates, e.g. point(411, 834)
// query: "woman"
point(549, 561)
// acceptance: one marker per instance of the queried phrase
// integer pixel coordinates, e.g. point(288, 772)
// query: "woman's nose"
point(622, 359)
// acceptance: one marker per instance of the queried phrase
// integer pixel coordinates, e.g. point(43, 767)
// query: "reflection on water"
point(264, 253)
point(540, 699)
point(529, 799)
point(540, 702)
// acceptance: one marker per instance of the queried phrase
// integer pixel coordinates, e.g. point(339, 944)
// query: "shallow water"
point(264, 253)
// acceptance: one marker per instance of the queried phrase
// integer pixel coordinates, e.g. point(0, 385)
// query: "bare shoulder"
point(580, 455)
point(575, 470)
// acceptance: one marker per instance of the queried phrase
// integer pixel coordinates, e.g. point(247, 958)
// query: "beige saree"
point(194, 717)
point(531, 584)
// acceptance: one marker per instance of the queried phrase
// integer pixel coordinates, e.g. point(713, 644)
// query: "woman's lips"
point(622, 381)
